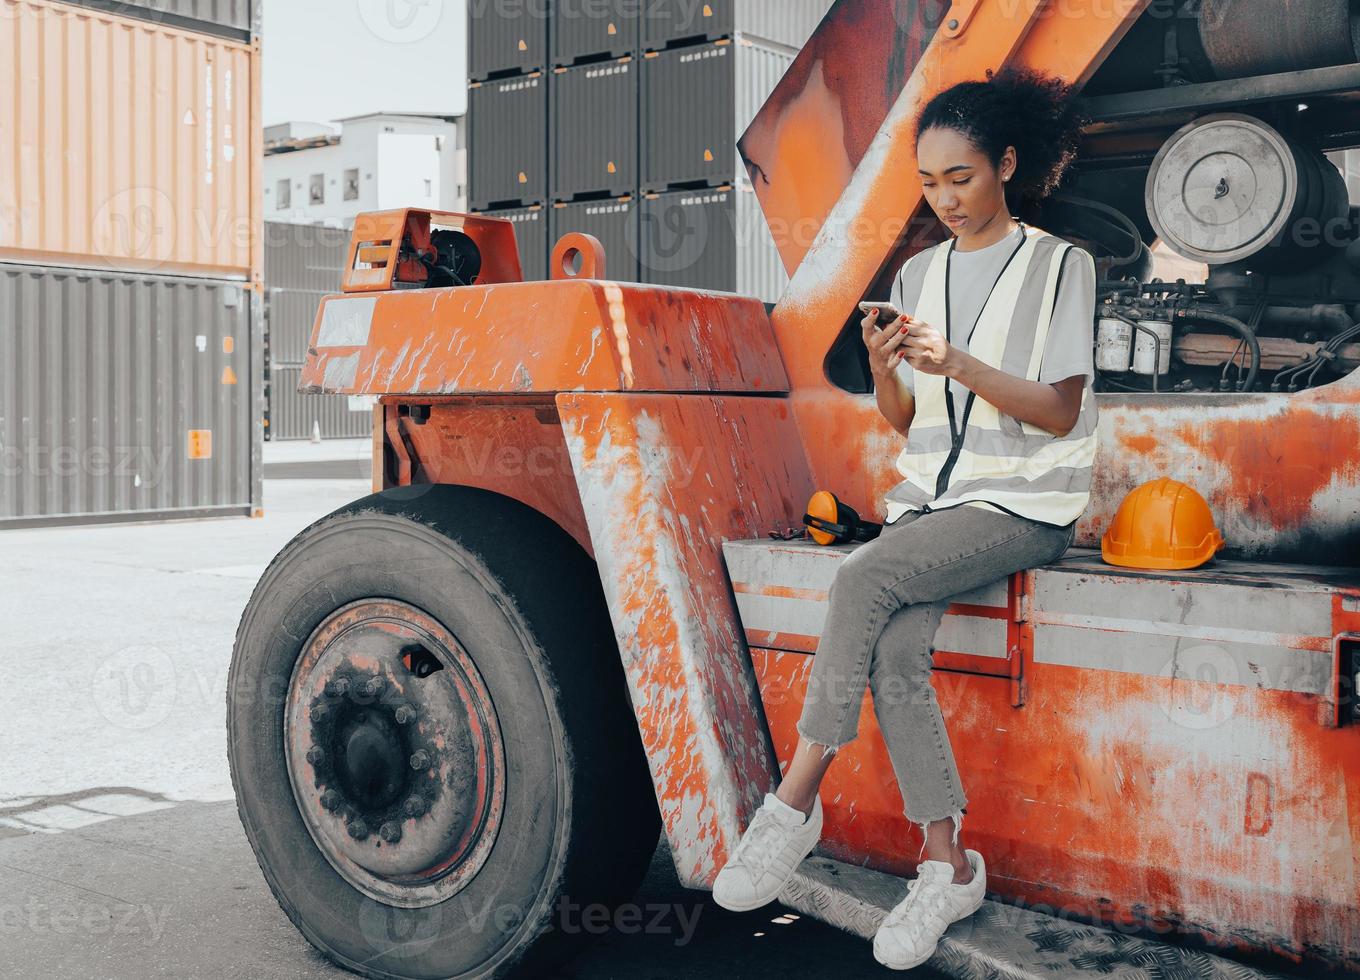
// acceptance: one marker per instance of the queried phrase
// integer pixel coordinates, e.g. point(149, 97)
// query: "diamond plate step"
point(999, 941)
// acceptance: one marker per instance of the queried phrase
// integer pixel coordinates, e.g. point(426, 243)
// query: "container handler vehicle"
point(561, 624)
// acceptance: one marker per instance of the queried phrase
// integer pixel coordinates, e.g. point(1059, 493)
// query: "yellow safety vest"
point(960, 449)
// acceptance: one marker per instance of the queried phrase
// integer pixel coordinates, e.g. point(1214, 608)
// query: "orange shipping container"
point(127, 144)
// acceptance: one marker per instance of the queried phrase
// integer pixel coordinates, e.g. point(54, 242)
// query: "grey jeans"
point(886, 603)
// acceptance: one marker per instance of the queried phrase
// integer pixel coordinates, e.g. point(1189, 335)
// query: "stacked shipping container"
point(645, 103)
point(130, 314)
point(303, 263)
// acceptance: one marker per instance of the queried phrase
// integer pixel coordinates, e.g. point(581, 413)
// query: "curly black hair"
point(1019, 107)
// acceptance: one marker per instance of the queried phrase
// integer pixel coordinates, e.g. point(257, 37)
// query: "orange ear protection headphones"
point(829, 521)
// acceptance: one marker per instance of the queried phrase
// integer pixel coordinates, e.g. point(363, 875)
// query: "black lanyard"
point(958, 429)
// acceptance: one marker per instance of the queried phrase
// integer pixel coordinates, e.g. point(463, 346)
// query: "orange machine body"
point(1159, 748)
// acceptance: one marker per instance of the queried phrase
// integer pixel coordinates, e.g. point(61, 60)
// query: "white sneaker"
point(767, 855)
point(912, 930)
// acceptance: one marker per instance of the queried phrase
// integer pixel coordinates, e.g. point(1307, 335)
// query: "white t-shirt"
point(1069, 349)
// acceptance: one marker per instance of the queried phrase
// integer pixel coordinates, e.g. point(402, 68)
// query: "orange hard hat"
point(1162, 524)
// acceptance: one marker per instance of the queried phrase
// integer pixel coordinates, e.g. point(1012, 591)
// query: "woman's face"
point(963, 188)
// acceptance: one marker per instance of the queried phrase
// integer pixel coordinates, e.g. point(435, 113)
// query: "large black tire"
point(580, 819)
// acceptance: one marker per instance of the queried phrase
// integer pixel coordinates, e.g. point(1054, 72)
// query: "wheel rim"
point(394, 753)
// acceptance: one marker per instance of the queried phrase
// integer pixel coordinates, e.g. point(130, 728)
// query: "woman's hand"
point(884, 345)
point(926, 349)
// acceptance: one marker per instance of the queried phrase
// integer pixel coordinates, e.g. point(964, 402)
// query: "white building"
point(316, 175)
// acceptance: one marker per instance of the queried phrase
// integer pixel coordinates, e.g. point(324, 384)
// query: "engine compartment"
point(1208, 190)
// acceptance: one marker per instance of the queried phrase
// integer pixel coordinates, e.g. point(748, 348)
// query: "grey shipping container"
point(127, 397)
point(614, 223)
point(531, 235)
point(506, 39)
point(232, 19)
point(783, 22)
point(696, 103)
point(289, 316)
point(711, 238)
point(594, 130)
point(302, 264)
point(587, 30)
point(304, 256)
point(508, 142)
point(294, 415)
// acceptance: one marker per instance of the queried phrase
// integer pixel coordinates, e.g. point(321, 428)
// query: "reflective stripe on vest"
point(1000, 461)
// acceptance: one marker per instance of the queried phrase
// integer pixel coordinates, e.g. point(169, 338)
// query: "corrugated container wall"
point(126, 396)
point(614, 223)
point(302, 263)
point(760, 271)
point(125, 144)
point(531, 236)
point(294, 415)
point(233, 19)
point(785, 22)
point(696, 102)
point(508, 142)
point(710, 239)
point(594, 132)
point(505, 38)
point(584, 30)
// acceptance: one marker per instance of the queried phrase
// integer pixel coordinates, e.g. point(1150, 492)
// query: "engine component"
point(1152, 347)
point(1260, 37)
point(1229, 187)
point(1114, 344)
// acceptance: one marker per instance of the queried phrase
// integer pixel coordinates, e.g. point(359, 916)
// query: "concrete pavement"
point(178, 894)
point(117, 641)
point(121, 855)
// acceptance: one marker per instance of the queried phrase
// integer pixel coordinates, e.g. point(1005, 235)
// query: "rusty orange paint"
point(567, 335)
point(517, 450)
point(1051, 784)
point(804, 145)
point(1279, 470)
point(664, 480)
point(1142, 444)
point(1271, 478)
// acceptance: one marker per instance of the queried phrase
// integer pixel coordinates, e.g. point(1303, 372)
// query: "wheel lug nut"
point(358, 829)
point(315, 755)
point(405, 714)
point(414, 807)
point(319, 711)
point(338, 688)
point(420, 760)
point(330, 800)
point(375, 685)
point(390, 832)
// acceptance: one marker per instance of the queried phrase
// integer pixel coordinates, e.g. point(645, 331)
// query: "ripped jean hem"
point(828, 748)
point(956, 816)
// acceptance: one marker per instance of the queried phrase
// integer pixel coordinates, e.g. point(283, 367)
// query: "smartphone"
point(887, 313)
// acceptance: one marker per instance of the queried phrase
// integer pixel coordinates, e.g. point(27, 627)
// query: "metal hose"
point(1232, 323)
point(1119, 216)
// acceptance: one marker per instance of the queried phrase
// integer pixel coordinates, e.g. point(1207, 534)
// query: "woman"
point(988, 376)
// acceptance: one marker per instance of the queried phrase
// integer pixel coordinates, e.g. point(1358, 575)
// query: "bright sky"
point(326, 59)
